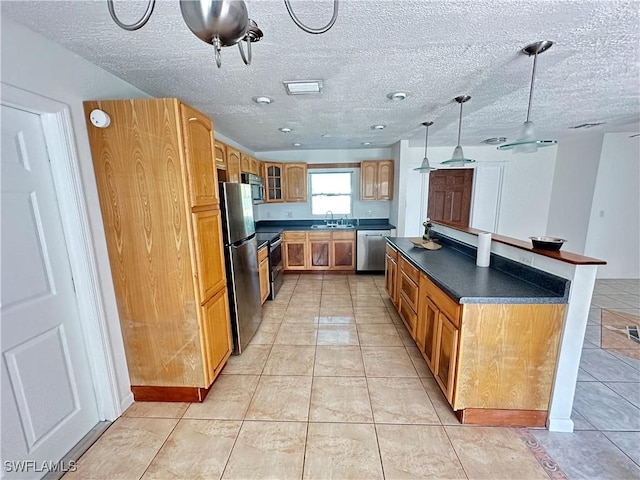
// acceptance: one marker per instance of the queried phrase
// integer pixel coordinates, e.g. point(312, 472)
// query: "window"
point(330, 191)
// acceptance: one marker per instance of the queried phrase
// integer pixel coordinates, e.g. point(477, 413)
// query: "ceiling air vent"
point(303, 87)
point(588, 125)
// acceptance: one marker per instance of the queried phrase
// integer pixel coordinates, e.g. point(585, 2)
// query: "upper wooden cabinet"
point(274, 182)
point(157, 185)
point(256, 166)
point(220, 155)
point(197, 130)
point(376, 180)
point(233, 165)
point(245, 163)
point(295, 175)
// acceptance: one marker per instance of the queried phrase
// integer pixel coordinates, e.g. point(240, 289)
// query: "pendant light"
point(458, 157)
point(424, 166)
point(527, 142)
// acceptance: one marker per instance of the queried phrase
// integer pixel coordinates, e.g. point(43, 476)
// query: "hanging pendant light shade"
point(424, 166)
point(527, 141)
point(458, 157)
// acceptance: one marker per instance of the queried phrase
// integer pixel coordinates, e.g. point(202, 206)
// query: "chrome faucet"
point(325, 218)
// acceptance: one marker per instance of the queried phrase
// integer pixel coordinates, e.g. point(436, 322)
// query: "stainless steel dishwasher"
point(370, 250)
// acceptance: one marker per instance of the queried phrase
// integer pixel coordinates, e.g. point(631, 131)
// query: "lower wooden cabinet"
point(217, 334)
point(263, 268)
point(446, 353)
point(309, 250)
point(407, 314)
point(390, 278)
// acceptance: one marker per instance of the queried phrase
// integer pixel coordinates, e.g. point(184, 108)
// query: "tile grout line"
point(161, 446)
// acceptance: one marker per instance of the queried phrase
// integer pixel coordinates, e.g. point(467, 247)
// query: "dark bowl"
point(547, 243)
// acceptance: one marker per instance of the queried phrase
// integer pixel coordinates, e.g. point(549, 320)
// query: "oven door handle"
point(276, 243)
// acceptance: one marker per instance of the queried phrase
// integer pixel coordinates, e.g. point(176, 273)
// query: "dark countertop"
point(455, 271)
point(278, 226)
point(264, 238)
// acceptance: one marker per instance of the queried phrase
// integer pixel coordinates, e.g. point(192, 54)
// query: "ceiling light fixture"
point(263, 100)
point(397, 96)
point(296, 144)
point(458, 157)
point(366, 143)
point(527, 141)
point(378, 127)
point(424, 166)
point(221, 23)
point(285, 129)
point(303, 87)
point(494, 140)
point(326, 135)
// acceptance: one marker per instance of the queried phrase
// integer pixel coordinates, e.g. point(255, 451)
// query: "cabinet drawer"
point(343, 235)
point(294, 236)
point(408, 315)
point(319, 235)
point(411, 271)
point(392, 252)
point(409, 289)
point(263, 253)
point(443, 301)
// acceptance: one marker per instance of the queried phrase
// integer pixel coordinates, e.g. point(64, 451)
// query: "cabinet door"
point(220, 155)
point(274, 183)
point(295, 175)
point(233, 165)
point(447, 351)
point(409, 289)
point(408, 315)
point(207, 235)
point(255, 166)
point(264, 279)
point(319, 247)
point(429, 320)
point(391, 282)
point(385, 180)
point(368, 180)
point(295, 255)
point(245, 163)
point(217, 336)
point(197, 130)
point(342, 253)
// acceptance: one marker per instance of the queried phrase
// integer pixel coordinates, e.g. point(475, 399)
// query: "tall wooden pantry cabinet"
point(156, 175)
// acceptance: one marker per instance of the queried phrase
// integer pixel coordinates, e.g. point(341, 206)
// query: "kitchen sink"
point(332, 227)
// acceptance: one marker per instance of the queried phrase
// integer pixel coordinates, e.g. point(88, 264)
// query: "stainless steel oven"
point(276, 268)
point(256, 184)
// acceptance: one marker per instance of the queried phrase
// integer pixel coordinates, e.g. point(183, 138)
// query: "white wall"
point(614, 223)
point(393, 207)
point(520, 209)
point(32, 62)
point(572, 191)
point(286, 211)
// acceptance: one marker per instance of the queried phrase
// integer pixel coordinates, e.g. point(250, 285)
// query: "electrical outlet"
point(289, 214)
point(368, 213)
point(525, 260)
point(268, 214)
point(601, 213)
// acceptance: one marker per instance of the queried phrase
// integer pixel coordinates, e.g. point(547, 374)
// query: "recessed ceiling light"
point(262, 100)
point(296, 144)
point(588, 125)
point(378, 127)
point(303, 87)
point(285, 129)
point(325, 135)
point(366, 143)
point(494, 140)
point(397, 96)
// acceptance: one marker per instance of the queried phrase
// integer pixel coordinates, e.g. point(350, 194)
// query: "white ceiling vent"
point(303, 87)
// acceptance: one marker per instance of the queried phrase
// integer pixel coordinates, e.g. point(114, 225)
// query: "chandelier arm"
point(216, 47)
point(245, 58)
point(533, 76)
point(314, 31)
point(132, 26)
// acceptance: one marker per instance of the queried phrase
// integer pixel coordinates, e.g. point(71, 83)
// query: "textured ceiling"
point(434, 49)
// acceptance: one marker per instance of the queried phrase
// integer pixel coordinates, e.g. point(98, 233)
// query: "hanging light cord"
point(132, 26)
point(460, 123)
point(426, 141)
point(314, 31)
point(533, 76)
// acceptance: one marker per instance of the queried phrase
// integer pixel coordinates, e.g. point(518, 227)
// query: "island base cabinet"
point(445, 361)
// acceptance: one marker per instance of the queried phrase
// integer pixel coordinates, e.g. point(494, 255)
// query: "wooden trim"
point(502, 418)
point(319, 272)
point(169, 394)
point(567, 257)
point(318, 166)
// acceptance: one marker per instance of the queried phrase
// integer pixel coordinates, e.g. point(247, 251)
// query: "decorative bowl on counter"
point(547, 243)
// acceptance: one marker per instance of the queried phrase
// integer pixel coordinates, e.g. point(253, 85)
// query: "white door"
point(48, 402)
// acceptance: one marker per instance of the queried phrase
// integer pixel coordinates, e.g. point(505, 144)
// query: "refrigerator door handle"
point(240, 243)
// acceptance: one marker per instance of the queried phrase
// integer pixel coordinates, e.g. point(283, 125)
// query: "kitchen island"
point(489, 335)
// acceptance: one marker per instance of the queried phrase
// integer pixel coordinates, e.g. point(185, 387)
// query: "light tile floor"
point(606, 441)
point(332, 386)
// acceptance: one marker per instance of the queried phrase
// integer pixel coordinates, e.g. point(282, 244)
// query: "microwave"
point(257, 186)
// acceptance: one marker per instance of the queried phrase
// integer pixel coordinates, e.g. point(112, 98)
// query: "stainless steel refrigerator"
point(241, 258)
